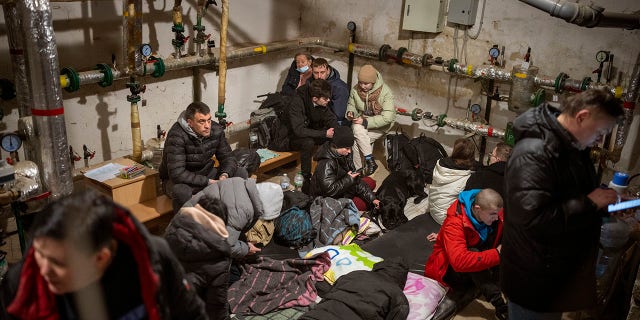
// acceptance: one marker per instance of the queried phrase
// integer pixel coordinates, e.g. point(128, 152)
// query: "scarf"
point(34, 300)
point(372, 106)
point(468, 198)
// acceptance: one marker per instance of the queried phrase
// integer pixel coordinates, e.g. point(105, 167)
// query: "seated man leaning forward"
point(335, 175)
point(90, 259)
point(468, 246)
point(187, 162)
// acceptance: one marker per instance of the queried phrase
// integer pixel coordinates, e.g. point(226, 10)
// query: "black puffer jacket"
point(551, 228)
point(375, 294)
point(307, 120)
point(491, 176)
point(205, 256)
point(187, 155)
point(331, 179)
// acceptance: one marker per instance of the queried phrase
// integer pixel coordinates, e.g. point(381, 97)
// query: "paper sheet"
point(106, 172)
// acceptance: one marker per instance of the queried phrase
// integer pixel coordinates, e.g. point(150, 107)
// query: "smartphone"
point(624, 205)
point(360, 171)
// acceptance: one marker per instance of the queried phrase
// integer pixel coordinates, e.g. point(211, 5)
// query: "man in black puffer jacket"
point(554, 207)
point(335, 174)
point(187, 166)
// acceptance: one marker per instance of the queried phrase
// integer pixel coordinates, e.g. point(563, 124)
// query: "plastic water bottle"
point(285, 182)
point(298, 181)
point(620, 182)
point(253, 139)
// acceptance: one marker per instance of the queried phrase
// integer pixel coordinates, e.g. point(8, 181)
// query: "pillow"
point(424, 295)
point(344, 259)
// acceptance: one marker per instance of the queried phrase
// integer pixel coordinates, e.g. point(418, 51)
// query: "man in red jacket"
point(468, 246)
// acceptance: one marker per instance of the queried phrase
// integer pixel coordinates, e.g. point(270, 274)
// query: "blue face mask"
point(303, 69)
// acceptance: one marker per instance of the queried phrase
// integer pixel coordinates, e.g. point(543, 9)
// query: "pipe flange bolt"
point(399, 54)
point(440, 120)
point(416, 114)
point(560, 79)
point(426, 60)
point(452, 65)
point(382, 53)
point(158, 68)
point(74, 79)
point(107, 80)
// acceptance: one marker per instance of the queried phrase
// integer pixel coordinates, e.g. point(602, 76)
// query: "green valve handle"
point(440, 120)
point(221, 115)
point(158, 68)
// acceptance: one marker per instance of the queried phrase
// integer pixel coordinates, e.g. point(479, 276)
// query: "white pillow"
point(424, 295)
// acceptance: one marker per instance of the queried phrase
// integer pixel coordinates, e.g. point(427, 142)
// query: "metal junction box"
point(463, 12)
point(424, 15)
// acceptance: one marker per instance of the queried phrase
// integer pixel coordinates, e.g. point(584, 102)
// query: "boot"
point(502, 312)
point(371, 166)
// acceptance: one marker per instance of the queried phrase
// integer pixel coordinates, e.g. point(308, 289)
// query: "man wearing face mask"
point(554, 207)
point(299, 73)
point(339, 89)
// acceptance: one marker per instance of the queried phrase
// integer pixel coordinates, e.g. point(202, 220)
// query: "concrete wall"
point(90, 32)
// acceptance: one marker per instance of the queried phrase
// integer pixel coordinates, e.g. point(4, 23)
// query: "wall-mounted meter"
point(424, 15)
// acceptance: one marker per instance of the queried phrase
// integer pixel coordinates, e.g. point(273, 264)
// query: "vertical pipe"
point(629, 107)
point(132, 37)
point(135, 133)
point(222, 69)
point(47, 107)
point(19, 68)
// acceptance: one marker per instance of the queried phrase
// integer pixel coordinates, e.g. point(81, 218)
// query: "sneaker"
point(371, 166)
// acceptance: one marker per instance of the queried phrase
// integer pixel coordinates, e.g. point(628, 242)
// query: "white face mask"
point(303, 69)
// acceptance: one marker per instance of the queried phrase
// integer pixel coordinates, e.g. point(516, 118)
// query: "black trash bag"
point(247, 158)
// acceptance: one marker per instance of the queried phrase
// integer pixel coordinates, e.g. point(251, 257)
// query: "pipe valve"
point(136, 88)
point(88, 154)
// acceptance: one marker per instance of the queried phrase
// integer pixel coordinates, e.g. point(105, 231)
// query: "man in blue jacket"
point(339, 89)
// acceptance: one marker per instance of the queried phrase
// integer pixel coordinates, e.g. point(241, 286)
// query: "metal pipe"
point(222, 68)
point(630, 100)
point(132, 35)
point(475, 127)
point(136, 134)
point(47, 109)
point(586, 16)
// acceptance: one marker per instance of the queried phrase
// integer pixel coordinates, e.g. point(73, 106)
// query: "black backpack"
point(394, 144)
point(270, 122)
point(293, 228)
point(423, 153)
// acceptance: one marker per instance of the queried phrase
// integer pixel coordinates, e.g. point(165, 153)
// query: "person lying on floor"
point(335, 175)
point(467, 248)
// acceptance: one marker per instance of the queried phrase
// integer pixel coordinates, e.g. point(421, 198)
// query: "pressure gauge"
point(351, 26)
point(475, 108)
point(602, 56)
point(10, 142)
point(494, 52)
point(146, 50)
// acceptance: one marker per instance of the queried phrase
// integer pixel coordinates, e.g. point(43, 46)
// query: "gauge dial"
point(10, 142)
point(475, 108)
point(494, 52)
point(602, 56)
point(351, 26)
point(146, 50)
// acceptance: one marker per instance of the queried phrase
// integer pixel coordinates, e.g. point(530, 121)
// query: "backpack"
point(246, 158)
point(424, 152)
point(393, 146)
point(293, 228)
point(270, 122)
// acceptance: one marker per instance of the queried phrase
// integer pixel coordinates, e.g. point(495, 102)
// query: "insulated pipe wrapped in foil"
point(629, 107)
point(18, 66)
point(475, 127)
point(544, 82)
point(491, 72)
point(364, 50)
point(47, 109)
point(25, 126)
point(27, 179)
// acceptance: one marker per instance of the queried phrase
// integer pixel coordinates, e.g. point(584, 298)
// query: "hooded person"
point(298, 74)
point(187, 161)
point(335, 175)
point(372, 113)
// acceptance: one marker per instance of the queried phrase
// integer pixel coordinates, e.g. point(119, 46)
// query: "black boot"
point(371, 166)
point(502, 310)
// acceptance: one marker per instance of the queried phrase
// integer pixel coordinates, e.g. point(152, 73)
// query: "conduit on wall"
point(47, 107)
point(586, 15)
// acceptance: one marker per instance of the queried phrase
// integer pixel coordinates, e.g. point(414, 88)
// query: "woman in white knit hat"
point(372, 113)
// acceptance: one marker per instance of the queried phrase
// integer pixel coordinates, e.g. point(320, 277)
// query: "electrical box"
point(424, 15)
point(463, 12)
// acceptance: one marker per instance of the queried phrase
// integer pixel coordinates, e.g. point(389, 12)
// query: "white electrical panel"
point(463, 12)
point(424, 15)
